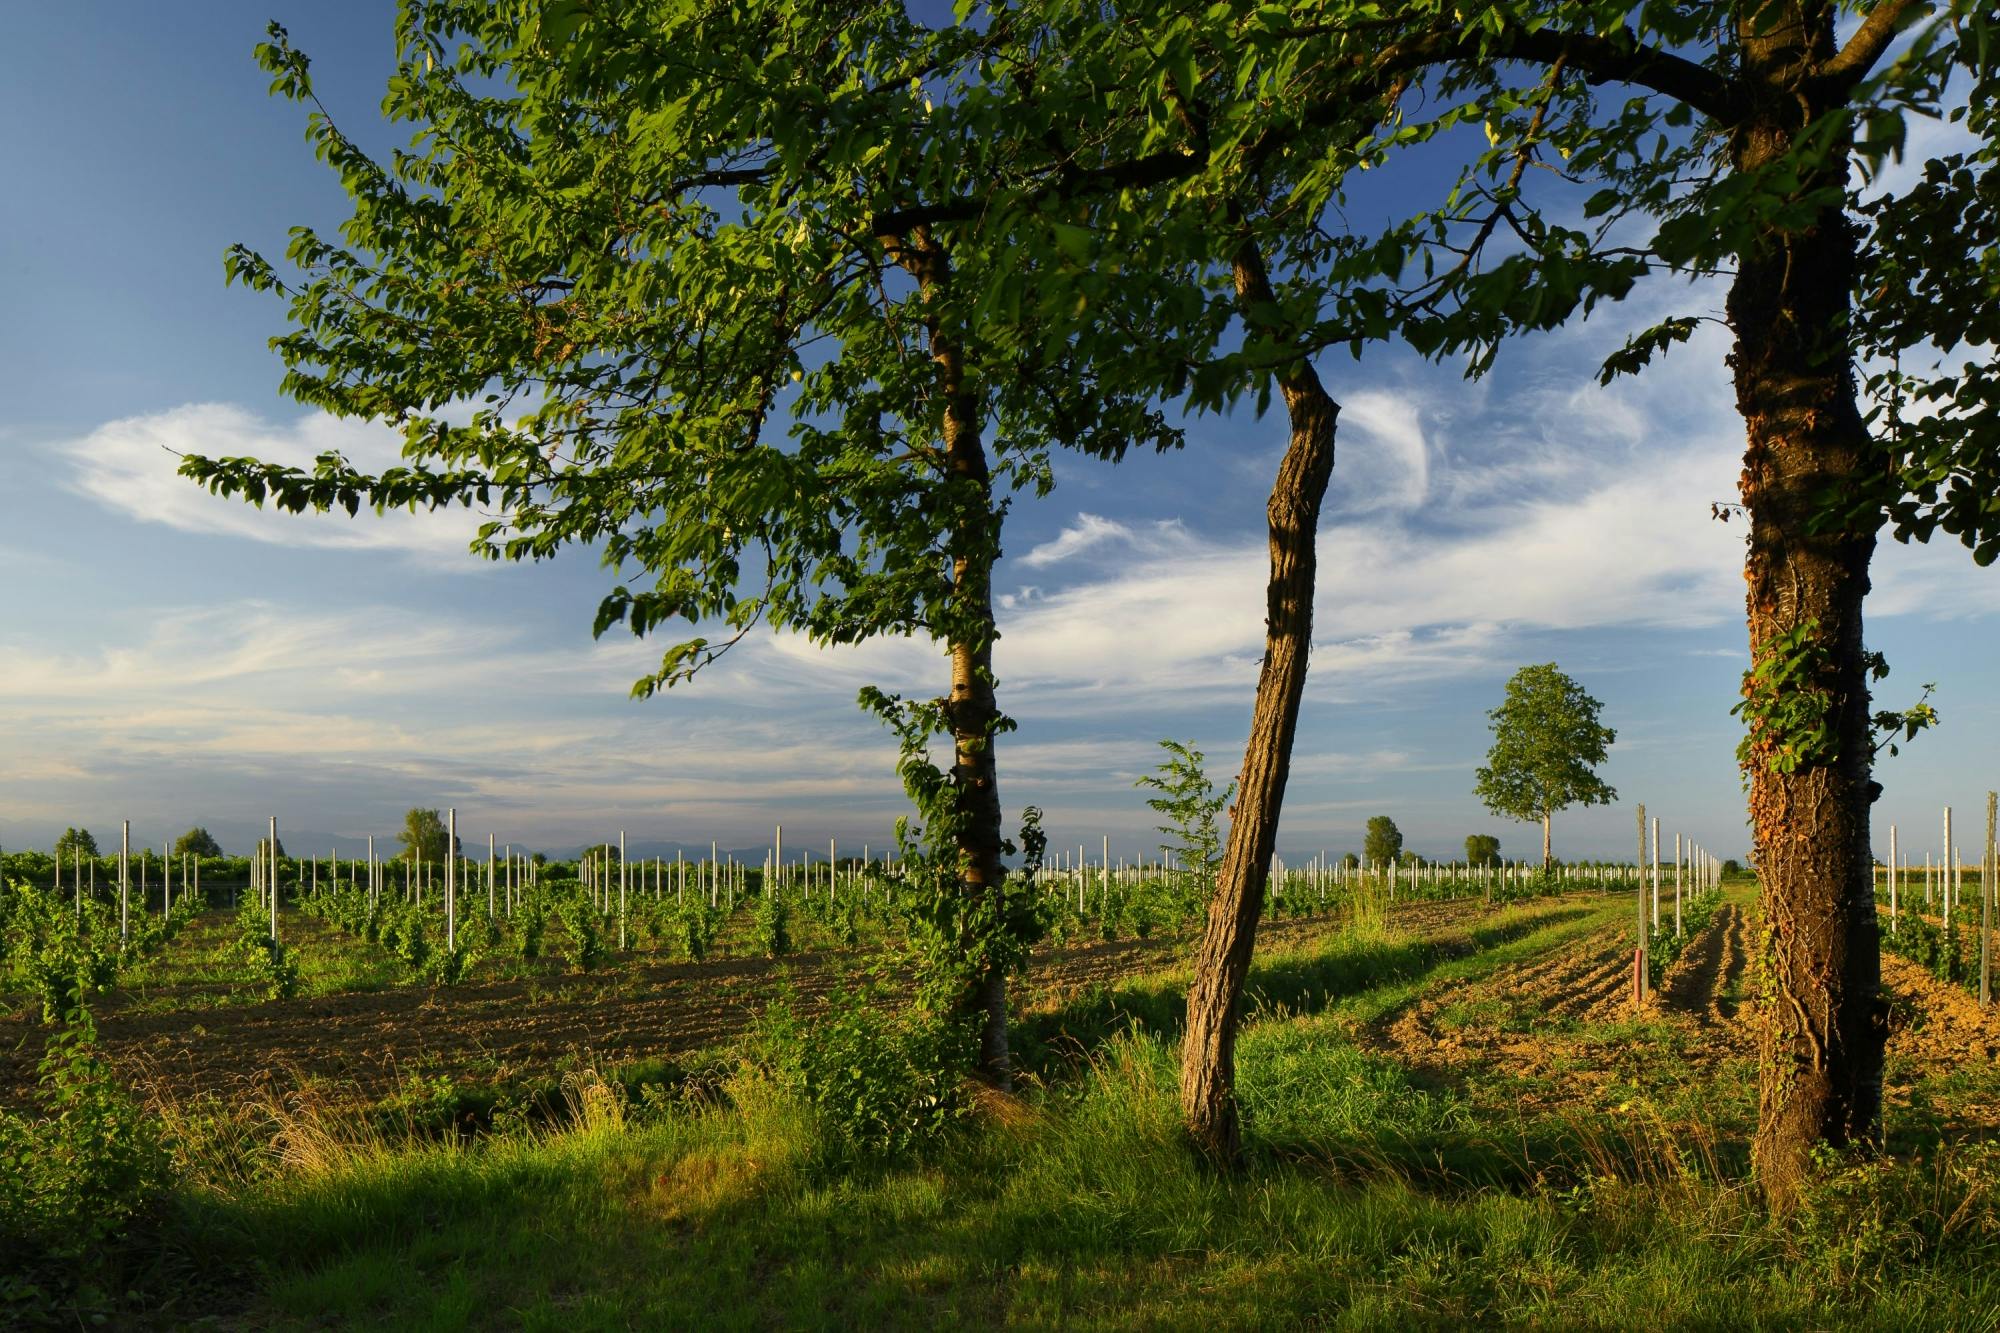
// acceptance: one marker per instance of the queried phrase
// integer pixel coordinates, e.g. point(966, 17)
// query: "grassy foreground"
point(1379, 1195)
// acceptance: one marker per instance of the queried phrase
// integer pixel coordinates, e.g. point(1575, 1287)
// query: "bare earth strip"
point(364, 1043)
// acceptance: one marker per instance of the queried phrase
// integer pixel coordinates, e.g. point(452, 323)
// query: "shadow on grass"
point(1055, 1043)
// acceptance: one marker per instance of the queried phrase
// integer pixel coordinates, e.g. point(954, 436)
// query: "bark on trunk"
point(1823, 1025)
point(971, 708)
point(1545, 840)
point(1208, 1053)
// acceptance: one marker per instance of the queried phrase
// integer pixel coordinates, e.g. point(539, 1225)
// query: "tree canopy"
point(1482, 849)
point(197, 842)
point(1547, 744)
point(75, 841)
point(424, 836)
point(1383, 842)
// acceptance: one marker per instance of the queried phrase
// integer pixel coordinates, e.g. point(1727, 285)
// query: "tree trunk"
point(969, 633)
point(1546, 858)
point(1823, 1024)
point(1208, 1053)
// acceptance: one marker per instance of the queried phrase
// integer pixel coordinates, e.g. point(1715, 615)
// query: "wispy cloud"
point(130, 465)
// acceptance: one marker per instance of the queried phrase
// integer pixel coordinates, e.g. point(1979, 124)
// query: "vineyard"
point(1466, 1028)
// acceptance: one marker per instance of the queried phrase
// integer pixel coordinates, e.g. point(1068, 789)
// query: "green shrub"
point(882, 1079)
point(273, 966)
point(770, 925)
point(587, 948)
point(530, 924)
point(699, 924)
point(75, 1177)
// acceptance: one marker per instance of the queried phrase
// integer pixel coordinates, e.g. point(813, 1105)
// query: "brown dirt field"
point(1935, 1023)
point(362, 1044)
point(1706, 981)
point(1536, 1029)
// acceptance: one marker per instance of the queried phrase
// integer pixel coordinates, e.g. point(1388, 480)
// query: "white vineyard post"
point(272, 878)
point(624, 882)
point(1986, 908)
point(1945, 873)
point(451, 879)
point(125, 883)
point(492, 878)
point(1677, 886)
point(1639, 978)
point(1656, 874)
point(1893, 924)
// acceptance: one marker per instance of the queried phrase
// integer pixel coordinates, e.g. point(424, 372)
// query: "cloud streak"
point(130, 466)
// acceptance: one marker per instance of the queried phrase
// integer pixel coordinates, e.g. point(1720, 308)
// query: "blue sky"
point(173, 659)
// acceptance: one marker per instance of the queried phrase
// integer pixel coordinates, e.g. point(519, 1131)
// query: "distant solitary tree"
point(264, 848)
point(197, 842)
point(1482, 849)
point(1546, 743)
point(423, 836)
point(75, 840)
point(1350, 861)
point(1384, 842)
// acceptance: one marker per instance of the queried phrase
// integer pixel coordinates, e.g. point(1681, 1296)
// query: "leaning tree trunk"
point(1208, 1054)
point(1822, 1019)
point(971, 709)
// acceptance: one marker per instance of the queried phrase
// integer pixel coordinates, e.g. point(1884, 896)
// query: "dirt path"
point(1706, 982)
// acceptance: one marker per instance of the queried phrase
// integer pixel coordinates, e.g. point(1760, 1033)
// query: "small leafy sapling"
point(1192, 806)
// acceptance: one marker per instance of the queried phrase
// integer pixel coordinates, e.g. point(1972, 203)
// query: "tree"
point(197, 842)
point(740, 354)
point(1482, 849)
point(264, 848)
point(1547, 742)
point(424, 837)
point(1191, 803)
point(1383, 843)
point(1734, 140)
point(75, 841)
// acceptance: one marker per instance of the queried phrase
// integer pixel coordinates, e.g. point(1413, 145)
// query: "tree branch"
point(1622, 58)
point(1870, 40)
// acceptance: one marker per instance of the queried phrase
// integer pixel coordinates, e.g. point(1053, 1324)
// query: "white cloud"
point(129, 465)
point(1383, 455)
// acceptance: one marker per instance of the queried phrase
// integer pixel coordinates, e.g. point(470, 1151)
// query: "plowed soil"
point(1706, 982)
point(1551, 1032)
point(362, 1045)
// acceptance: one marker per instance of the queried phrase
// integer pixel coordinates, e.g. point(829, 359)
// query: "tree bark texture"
point(1823, 1022)
point(1208, 1053)
point(1545, 840)
point(971, 708)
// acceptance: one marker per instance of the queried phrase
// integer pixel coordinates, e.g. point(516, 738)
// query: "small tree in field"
point(1546, 743)
point(423, 836)
point(1482, 849)
point(75, 841)
point(1384, 842)
point(197, 841)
